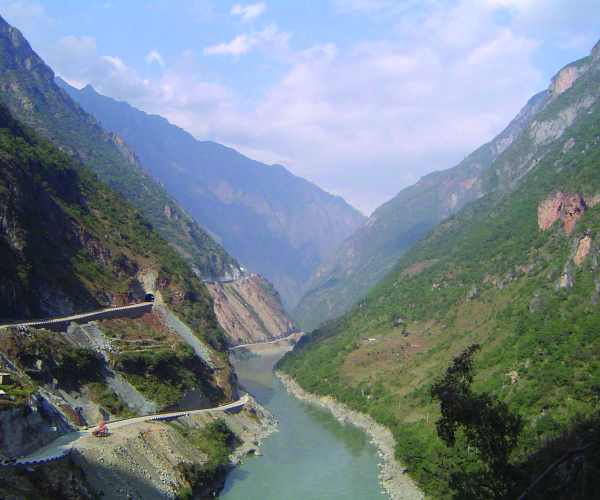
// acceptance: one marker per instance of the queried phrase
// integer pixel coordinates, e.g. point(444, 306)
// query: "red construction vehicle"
point(101, 432)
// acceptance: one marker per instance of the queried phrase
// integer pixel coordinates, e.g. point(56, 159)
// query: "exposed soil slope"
point(250, 310)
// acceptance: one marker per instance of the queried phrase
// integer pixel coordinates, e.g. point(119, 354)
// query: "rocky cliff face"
point(367, 255)
point(250, 310)
point(567, 207)
point(273, 222)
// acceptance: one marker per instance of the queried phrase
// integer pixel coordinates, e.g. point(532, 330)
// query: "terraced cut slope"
point(515, 271)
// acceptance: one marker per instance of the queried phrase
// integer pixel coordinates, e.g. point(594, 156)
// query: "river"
point(312, 456)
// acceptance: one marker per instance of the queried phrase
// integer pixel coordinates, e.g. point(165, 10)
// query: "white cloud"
point(550, 16)
point(578, 42)
point(362, 123)
point(270, 37)
point(155, 56)
point(69, 55)
point(239, 45)
point(248, 12)
point(173, 95)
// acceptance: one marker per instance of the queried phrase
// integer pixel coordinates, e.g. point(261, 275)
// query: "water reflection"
point(353, 438)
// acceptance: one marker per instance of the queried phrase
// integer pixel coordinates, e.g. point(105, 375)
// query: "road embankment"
point(397, 484)
point(142, 457)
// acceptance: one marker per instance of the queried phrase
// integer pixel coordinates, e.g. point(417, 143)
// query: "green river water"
point(312, 456)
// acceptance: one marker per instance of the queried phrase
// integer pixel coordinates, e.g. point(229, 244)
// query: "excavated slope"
point(250, 310)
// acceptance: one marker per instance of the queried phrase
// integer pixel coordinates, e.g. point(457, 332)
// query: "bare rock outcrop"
point(583, 249)
point(564, 206)
point(547, 131)
point(249, 310)
point(566, 78)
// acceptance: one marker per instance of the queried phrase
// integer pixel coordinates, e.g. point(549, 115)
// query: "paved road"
point(264, 343)
point(63, 444)
point(76, 316)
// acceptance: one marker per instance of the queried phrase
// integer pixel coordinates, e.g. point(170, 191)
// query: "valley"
point(514, 273)
point(244, 333)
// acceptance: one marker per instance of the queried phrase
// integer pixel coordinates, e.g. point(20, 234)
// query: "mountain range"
point(28, 90)
point(276, 224)
point(102, 204)
point(367, 255)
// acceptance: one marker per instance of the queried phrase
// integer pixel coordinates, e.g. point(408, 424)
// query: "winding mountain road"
point(106, 313)
point(266, 343)
point(61, 446)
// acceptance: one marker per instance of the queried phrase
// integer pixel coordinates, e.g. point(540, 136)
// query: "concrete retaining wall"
point(166, 417)
point(61, 324)
point(35, 462)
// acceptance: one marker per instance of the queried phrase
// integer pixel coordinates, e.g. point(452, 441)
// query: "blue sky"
point(362, 97)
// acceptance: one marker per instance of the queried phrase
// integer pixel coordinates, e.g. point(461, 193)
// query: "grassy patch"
point(214, 441)
point(108, 399)
point(164, 375)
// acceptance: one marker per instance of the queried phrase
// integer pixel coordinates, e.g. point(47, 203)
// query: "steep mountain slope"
point(276, 224)
point(364, 258)
point(515, 271)
point(249, 310)
point(69, 243)
point(28, 90)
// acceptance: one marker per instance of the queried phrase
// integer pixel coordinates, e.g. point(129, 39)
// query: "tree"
point(481, 422)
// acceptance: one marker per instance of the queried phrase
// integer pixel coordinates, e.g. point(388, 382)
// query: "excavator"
point(101, 431)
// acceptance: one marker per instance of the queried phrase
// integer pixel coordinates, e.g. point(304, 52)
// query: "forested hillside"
point(70, 243)
point(515, 271)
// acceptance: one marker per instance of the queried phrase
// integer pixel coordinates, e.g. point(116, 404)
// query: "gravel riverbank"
point(397, 485)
